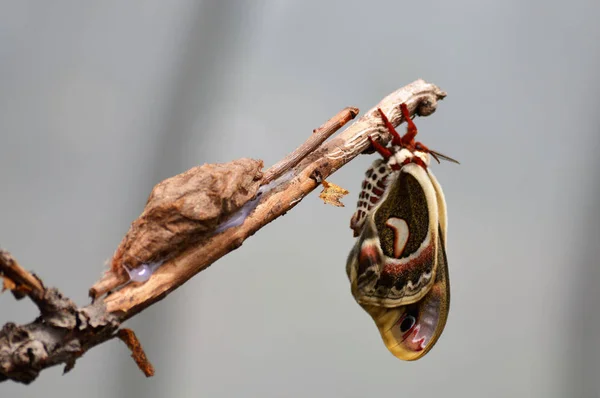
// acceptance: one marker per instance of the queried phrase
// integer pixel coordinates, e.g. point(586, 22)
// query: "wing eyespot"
point(407, 323)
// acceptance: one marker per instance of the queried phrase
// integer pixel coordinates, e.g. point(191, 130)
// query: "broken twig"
point(64, 331)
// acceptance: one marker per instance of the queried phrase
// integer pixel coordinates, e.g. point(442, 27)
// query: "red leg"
point(383, 151)
point(396, 139)
point(411, 128)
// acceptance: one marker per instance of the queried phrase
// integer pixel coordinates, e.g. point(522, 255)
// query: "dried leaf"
point(137, 352)
point(331, 194)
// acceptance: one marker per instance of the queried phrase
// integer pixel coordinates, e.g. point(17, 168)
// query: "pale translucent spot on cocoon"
point(401, 234)
point(238, 218)
point(143, 272)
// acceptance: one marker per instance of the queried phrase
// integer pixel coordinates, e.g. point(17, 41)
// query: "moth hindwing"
point(397, 268)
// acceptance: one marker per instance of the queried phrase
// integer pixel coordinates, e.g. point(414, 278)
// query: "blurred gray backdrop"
point(99, 101)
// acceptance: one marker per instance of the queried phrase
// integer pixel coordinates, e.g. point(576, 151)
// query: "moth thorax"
point(424, 156)
point(404, 156)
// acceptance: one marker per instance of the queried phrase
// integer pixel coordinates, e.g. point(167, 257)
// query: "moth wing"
point(410, 331)
point(441, 202)
point(394, 260)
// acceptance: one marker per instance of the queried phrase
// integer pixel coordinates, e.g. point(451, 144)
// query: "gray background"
point(99, 101)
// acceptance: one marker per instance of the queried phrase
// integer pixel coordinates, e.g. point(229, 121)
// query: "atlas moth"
point(397, 268)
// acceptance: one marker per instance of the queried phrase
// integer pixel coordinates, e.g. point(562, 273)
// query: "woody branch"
point(64, 331)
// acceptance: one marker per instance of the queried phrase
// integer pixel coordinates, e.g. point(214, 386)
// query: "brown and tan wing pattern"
point(410, 331)
point(396, 262)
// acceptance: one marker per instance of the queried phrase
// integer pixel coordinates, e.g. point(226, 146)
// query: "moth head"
point(404, 148)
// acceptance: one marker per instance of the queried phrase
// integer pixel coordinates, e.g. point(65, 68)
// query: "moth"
point(398, 269)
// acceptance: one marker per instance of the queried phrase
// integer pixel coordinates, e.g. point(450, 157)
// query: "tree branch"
point(18, 280)
point(247, 202)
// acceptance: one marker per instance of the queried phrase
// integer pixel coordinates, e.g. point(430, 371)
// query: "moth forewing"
point(428, 316)
point(410, 252)
point(396, 261)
